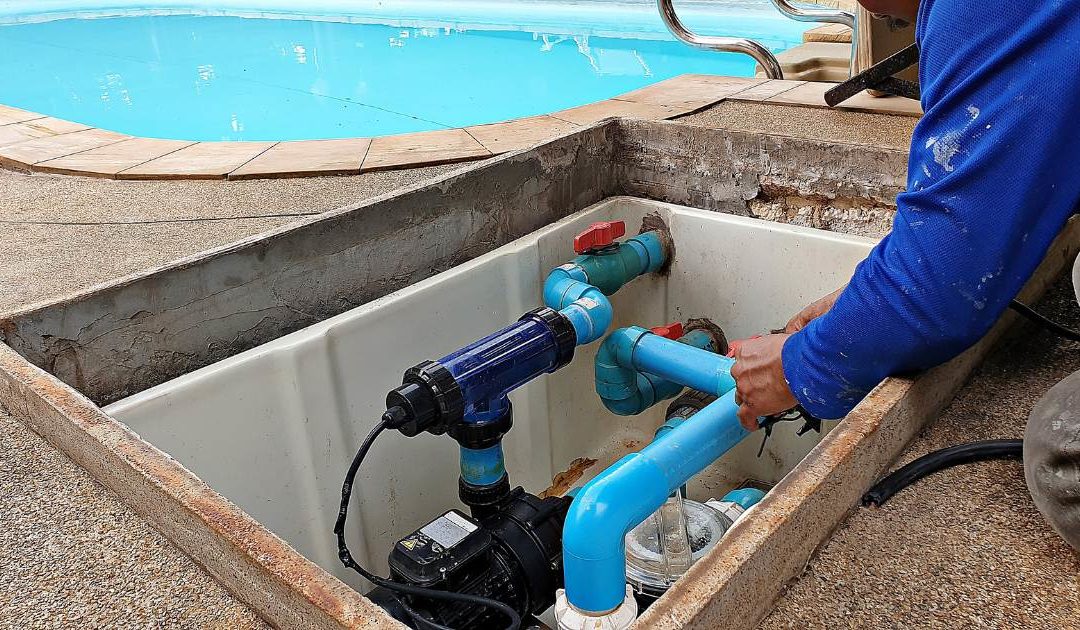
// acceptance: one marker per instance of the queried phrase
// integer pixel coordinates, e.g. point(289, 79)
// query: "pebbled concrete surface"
point(71, 554)
point(880, 130)
point(964, 548)
point(61, 234)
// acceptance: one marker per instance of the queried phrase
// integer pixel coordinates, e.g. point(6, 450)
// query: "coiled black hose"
point(940, 460)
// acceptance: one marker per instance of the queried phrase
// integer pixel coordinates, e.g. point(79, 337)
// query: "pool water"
point(228, 77)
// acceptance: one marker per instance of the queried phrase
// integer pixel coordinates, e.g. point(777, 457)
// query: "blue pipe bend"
point(622, 496)
point(628, 392)
point(579, 289)
point(635, 369)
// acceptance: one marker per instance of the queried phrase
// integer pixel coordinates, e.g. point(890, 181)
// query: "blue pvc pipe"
point(482, 467)
point(626, 391)
point(622, 496)
point(745, 497)
point(579, 289)
point(686, 365)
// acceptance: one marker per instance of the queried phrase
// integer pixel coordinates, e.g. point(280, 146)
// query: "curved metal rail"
point(828, 16)
point(761, 54)
point(802, 14)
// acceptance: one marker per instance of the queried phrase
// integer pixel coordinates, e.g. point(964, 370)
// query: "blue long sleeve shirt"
point(993, 174)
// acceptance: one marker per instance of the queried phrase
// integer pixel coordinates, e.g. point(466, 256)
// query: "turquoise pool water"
point(355, 69)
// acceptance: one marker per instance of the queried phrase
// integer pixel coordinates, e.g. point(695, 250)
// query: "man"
point(993, 174)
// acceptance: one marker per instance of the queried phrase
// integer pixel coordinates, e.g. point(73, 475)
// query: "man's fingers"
point(748, 418)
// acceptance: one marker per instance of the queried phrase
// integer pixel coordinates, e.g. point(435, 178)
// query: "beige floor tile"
point(307, 157)
point(204, 160)
point(519, 134)
point(9, 115)
point(766, 90)
point(588, 114)
point(828, 33)
point(883, 105)
point(110, 159)
point(39, 128)
point(26, 154)
point(422, 149)
point(694, 89)
point(810, 93)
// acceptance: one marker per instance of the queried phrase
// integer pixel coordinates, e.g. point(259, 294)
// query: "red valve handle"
point(733, 347)
point(673, 331)
point(599, 235)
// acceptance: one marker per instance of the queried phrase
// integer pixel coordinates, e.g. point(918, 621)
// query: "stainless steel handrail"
point(761, 54)
point(829, 16)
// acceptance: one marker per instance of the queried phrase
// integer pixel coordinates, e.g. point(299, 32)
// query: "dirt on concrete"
point(964, 548)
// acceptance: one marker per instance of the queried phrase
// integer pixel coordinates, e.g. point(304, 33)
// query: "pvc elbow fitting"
point(625, 494)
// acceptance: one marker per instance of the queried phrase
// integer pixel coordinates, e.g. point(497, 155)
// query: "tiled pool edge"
point(36, 143)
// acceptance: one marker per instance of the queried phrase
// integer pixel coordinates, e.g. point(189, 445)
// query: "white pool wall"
point(273, 429)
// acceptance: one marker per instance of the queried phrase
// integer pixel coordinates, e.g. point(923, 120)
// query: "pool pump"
point(513, 555)
point(509, 558)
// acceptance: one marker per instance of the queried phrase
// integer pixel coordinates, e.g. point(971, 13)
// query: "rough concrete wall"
point(843, 187)
point(124, 337)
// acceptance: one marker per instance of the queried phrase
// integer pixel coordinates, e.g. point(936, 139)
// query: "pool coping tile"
point(37, 128)
point(25, 155)
point(812, 94)
point(202, 160)
point(107, 161)
point(307, 158)
point(520, 133)
point(690, 90)
point(126, 157)
point(766, 90)
point(11, 115)
point(423, 148)
point(612, 108)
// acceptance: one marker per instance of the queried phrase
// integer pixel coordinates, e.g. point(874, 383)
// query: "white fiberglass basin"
point(273, 429)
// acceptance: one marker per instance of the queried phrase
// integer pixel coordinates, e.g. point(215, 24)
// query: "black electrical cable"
point(392, 420)
point(940, 460)
point(1045, 322)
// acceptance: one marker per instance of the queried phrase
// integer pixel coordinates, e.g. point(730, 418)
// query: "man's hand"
point(813, 311)
point(760, 386)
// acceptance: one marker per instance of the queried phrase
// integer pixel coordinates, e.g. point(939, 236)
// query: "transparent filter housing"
point(664, 546)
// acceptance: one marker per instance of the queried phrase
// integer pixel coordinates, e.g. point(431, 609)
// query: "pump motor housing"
point(513, 554)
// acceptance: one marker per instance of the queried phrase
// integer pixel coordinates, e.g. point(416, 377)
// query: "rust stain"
point(563, 481)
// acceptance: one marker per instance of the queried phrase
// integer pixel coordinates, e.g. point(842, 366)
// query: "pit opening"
point(274, 428)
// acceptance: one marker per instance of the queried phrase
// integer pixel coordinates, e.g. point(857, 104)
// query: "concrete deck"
point(71, 553)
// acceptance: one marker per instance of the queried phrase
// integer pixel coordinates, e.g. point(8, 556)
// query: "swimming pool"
point(246, 70)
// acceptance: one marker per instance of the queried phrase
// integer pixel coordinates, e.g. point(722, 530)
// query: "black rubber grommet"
point(562, 328)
